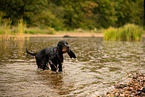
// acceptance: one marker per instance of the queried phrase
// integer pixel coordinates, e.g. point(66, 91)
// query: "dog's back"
point(53, 56)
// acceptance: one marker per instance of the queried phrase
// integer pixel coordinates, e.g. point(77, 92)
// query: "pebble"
point(135, 88)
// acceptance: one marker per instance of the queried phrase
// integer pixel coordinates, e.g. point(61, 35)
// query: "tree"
point(106, 13)
point(79, 13)
point(129, 11)
point(86, 14)
point(17, 9)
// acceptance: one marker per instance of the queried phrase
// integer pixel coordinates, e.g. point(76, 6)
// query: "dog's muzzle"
point(65, 49)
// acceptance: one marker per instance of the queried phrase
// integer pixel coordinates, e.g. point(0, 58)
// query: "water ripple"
point(99, 65)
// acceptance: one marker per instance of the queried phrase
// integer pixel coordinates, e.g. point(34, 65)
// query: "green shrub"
point(48, 19)
point(110, 34)
point(51, 30)
point(133, 32)
point(5, 29)
point(129, 32)
point(8, 32)
point(19, 34)
point(32, 31)
point(36, 30)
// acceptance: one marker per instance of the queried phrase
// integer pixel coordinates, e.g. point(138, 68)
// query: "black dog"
point(53, 56)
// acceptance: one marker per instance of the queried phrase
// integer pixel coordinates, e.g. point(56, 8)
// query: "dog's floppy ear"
point(71, 54)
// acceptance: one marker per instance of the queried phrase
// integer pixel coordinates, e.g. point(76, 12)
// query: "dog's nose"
point(68, 47)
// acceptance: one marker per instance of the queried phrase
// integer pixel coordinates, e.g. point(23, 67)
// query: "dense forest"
point(70, 14)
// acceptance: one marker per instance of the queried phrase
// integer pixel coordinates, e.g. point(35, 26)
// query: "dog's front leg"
point(52, 65)
point(60, 67)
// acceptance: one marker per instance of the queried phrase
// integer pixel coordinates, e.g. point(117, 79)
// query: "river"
point(99, 65)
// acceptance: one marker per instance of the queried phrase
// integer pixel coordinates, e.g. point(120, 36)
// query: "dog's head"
point(63, 47)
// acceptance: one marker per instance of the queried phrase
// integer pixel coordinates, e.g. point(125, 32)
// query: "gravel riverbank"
point(135, 88)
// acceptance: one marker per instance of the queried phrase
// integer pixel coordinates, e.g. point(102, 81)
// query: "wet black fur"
point(53, 56)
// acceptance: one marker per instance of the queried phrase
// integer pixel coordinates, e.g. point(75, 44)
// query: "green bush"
point(5, 32)
point(47, 19)
point(36, 30)
point(19, 32)
point(129, 32)
point(110, 34)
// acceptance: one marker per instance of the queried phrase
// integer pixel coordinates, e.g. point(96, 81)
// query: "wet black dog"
point(53, 56)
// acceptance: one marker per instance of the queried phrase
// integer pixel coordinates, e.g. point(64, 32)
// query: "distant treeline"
point(72, 14)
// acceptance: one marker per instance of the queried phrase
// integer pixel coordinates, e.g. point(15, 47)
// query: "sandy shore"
point(69, 34)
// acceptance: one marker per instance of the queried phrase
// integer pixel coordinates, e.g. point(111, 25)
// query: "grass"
point(36, 30)
point(5, 30)
point(12, 33)
point(19, 34)
point(129, 32)
point(110, 34)
point(9, 32)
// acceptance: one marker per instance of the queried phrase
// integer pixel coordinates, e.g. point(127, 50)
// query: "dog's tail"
point(33, 54)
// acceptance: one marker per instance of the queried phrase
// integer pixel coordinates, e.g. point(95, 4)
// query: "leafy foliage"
point(129, 32)
point(70, 14)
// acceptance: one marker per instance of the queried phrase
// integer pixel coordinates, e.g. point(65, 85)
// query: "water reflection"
point(11, 50)
point(55, 81)
point(99, 65)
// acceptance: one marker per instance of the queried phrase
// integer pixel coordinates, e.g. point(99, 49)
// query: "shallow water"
point(99, 65)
